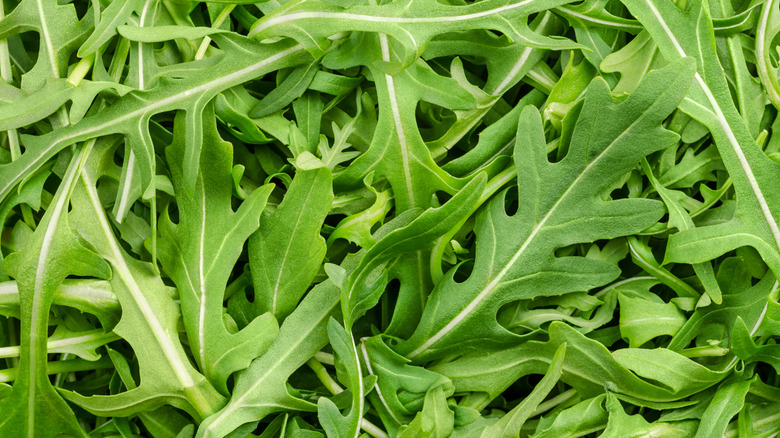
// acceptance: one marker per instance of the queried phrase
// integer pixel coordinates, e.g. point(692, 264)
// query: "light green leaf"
point(286, 252)
point(262, 389)
point(54, 252)
point(524, 266)
point(200, 250)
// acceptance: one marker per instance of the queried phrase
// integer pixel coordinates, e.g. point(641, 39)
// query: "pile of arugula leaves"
point(406, 218)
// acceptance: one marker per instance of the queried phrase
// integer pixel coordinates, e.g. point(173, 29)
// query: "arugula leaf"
point(220, 238)
point(518, 268)
point(709, 101)
point(470, 219)
point(34, 408)
point(286, 253)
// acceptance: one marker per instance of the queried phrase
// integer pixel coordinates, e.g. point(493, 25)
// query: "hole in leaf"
point(463, 271)
point(173, 213)
point(389, 301)
point(511, 203)
point(433, 121)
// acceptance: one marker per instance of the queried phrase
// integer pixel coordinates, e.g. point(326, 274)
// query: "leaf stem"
point(325, 358)
point(704, 351)
point(80, 71)
point(57, 367)
point(204, 45)
point(324, 376)
point(335, 388)
point(555, 401)
point(91, 337)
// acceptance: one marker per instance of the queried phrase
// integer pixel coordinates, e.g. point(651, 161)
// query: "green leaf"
point(622, 425)
point(240, 61)
point(584, 417)
point(34, 408)
point(149, 314)
point(589, 368)
point(401, 388)
point(366, 282)
point(709, 101)
point(60, 33)
point(261, 389)
point(728, 401)
point(434, 421)
point(116, 14)
point(642, 320)
point(286, 252)
point(510, 424)
point(410, 23)
point(200, 250)
point(524, 266)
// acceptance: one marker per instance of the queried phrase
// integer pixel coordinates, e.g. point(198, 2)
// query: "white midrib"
point(47, 39)
point(399, 128)
point(275, 21)
point(359, 396)
point(160, 334)
point(501, 88)
point(609, 24)
point(202, 277)
point(40, 271)
point(141, 113)
point(91, 336)
point(237, 403)
point(125, 198)
point(721, 119)
point(377, 389)
point(509, 78)
point(487, 290)
point(280, 274)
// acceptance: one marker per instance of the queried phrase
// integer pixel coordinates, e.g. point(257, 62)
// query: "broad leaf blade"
point(608, 140)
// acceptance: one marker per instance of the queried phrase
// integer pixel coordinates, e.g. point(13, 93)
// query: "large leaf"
point(189, 90)
point(287, 251)
point(200, 250)
point(149, 314)
point(709, 101)
point(568, 208)
point(411, 23)
point(262, 389)
point(34, 408)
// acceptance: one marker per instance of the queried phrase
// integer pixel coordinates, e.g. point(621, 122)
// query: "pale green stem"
point(322, 374)
point(542, 77)
point(204, 45)
point(59, 367)
point(325, 358)
point(554, 402)
point(55, 345)
point(335, 388)
point(13, 337)
point(704, 351)
point(81, 70)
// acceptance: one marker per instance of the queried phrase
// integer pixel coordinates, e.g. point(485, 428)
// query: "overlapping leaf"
point(149, 315)
point(34, 408)
point(199, 251)
point(608, 140)
point(755, 222)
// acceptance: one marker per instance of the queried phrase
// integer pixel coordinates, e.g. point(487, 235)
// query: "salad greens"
point(400, 218)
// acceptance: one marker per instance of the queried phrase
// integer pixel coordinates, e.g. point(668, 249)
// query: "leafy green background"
point(404, 218)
